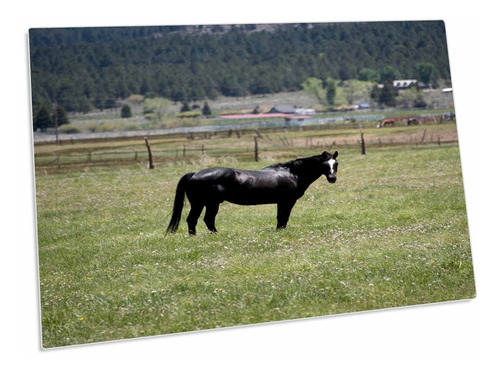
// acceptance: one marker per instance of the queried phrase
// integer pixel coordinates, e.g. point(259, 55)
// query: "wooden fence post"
point(363, 147)
point(256, 149)
point(423, 135)
point(150, 155)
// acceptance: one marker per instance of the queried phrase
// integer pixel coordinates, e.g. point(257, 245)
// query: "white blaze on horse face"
point(331, 163)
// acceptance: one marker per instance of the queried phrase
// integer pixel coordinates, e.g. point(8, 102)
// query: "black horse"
point(281, 184)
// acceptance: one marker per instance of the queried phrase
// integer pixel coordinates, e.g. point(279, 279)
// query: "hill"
point(86, 68)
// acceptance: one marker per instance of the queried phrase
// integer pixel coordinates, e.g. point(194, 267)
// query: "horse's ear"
point(335, 155)
point(325, 154)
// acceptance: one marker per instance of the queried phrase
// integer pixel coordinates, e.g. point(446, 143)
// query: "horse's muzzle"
point(331, 179)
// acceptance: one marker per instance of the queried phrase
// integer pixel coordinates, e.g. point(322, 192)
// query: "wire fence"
point(345, 121)
point(247, 149)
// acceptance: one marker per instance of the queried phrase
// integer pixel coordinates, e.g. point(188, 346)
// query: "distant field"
point(110, 120)
point(113, 122)
point(391, 232)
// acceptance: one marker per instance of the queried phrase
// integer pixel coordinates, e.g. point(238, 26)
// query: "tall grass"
point(391, 232)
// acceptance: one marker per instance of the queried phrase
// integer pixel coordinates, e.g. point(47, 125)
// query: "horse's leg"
point(210, 213)
point(284, 210)
point(193, 216)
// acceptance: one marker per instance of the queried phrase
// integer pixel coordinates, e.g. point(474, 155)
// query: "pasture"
point(391, 232)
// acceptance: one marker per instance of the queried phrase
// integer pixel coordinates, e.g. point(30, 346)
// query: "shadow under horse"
point(282, 184)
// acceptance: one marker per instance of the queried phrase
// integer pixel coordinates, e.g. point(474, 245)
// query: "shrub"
point(105, 128)
point(150, 116)
point(229, 112)
point(420, 102)
point(91, 127)
point(186, 122)
point(166, 125)
point(132, 127)
point(69, 129)
point(189, 114)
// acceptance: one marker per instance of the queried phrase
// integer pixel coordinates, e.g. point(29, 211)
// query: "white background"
point(452, 336)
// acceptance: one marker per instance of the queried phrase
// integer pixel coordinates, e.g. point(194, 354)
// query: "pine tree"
point(206, 109)
point(43, 120)
point(425, 71)
point(62, 117)
point(388, 95)
point(185, 107)
point(126, 112)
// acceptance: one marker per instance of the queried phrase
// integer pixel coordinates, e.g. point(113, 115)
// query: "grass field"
point(391, 232)
point(219, 147)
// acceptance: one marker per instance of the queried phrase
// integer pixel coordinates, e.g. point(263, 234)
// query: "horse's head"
point(329, 166)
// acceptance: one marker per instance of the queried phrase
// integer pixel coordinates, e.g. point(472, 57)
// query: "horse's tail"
point(178, 204)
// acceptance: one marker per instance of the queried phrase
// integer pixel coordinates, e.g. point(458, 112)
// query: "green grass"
point(223, 149)
point(391, 232)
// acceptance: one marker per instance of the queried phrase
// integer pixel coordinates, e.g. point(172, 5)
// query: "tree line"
point(82, 69)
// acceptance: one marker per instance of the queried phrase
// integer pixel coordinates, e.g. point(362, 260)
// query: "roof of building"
point(283, 108)
point(403, 83)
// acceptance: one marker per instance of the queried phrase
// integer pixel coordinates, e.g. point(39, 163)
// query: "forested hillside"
point(90, 68)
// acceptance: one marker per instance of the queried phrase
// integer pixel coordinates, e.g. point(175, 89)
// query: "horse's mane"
point(294, 165)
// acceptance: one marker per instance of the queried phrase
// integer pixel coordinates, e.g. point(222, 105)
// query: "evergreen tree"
point(185, 107)
point(126, 112)
point(331, 89)
point(62, 117)
point(85, 69)
point(83, 105)
point(425, 71)
point(389, 73)
point(43, 120)
point(367, 74)
point(206, 110)
point(110, 103)
point(145, 88)
point(387, 94)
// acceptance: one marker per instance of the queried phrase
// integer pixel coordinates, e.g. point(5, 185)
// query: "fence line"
point(249, 151)
point(345, 121)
